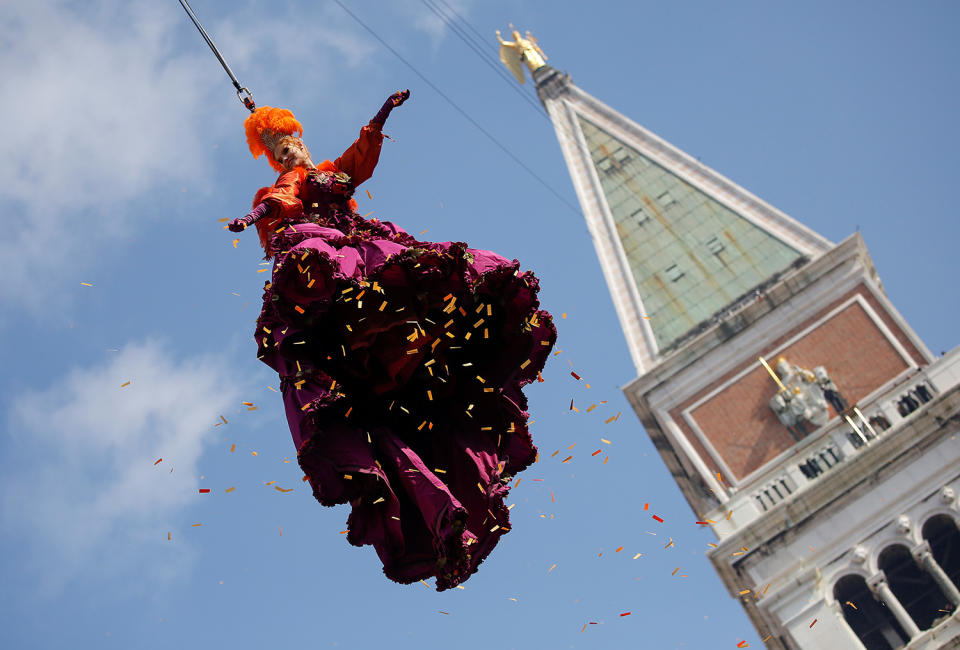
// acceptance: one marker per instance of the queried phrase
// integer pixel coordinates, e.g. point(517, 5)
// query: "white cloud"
point(86, 448)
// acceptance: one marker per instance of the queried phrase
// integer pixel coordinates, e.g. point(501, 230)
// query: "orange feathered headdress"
point(265, 127)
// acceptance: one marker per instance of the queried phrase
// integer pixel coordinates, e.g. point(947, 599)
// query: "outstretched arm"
point(361, 158)
point(242, 223)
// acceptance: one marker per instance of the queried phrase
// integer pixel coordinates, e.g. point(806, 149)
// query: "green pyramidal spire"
point(689, 254)
point(681, 246)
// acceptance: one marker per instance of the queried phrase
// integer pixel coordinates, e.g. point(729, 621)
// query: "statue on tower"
point(521, 50)
point(801, 401)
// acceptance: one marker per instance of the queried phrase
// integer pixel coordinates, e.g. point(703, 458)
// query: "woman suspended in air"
point(401, 361)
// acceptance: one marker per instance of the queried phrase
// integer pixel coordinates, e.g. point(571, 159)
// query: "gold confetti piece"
point(571, 446)
point(170, 536)
point(230, 489)
point(744, 591)
point(563, 315)
point(86, 284)
point(669, 544)
point(124, 385)
point(481, 488)
point(440, 471)
point(851, 604)
point(729, 513)
point(270, 483)
point(280, 489)
point(711, 545)
point(369, 196)
point(425, 584)
point(675, 571)
point(224, 419)
point(637, 555)
point(551, 568)
point(262, 270)
point(235, 242)
point(566, 459)
point(253, 453)
point(379, 500)
point(195, 525)
point(368, 214)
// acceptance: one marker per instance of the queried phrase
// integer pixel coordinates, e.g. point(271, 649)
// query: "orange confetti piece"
point(618, 550)
point(369, 196)
point(298, 309)
point(719, 477)
point(743, 644)
point(344, 532)
point(253, 453)
point(646, 506)
point(551, 568)
point(851, 604)
point(610, 419)
point(744, 591)
point(124, 385)
point(233, 447)
point(566, 459)
point(658, 518)
point(224, 419)
point(563, 315)
point(195, 525)
point(235, 242)
point(280, 489)
point(158, 461)
point(281, 531)
point(553, 496)
point(596, 452)
point(583, 628)
point(169, 536)
point(230, 489)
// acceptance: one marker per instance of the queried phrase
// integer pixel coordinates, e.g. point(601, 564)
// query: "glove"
point(242, 223)
point(394, 100)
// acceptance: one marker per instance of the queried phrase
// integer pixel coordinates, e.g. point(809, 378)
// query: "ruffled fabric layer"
point(402, 365)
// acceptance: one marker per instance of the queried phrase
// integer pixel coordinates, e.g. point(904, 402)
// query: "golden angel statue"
point(521, 50)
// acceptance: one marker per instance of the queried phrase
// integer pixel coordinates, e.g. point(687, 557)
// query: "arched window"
point(941, 533)
point(869, 619)
point(913, 587)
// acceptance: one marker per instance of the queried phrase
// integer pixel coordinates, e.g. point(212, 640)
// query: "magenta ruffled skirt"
point(401, 366)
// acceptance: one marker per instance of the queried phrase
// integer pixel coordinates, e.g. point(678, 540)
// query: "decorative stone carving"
point(947, 494)
point(903, 525)
point(859, 554)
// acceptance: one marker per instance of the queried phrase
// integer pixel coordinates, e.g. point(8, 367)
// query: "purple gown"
point(401, 364)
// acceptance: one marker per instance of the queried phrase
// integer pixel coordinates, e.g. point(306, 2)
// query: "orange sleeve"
point(284, 197)
point(361, 158)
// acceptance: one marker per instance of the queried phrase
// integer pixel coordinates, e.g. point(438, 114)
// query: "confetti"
point(253, 453)
point(195, 525)
point(625, 614)
point(675, 571)
point(235, 242)
point(124, 385)
point(575, 375)
point(744, 591)
point(280, 489)
point(646, 506)
point(230, 489)
point(618, 550)
point(233, 448)
point(743, 644)
point(204, 490)
point(443, 612)
point(658, 518)
point(169, 536)
point(637, 555)
point(158, 461)
point(814, 622)
point(566, 459)
point(281, 531)
point(596, 452)
point(851, 604)
point(369, 196)
point(551, 568)
point(86, 284)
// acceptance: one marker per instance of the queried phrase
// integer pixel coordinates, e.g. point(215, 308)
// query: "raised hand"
point(399, 97)
point(239, 224)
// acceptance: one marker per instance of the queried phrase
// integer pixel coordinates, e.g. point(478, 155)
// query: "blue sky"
point(124, 147)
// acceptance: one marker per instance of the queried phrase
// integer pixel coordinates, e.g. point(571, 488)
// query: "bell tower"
point(803, 419)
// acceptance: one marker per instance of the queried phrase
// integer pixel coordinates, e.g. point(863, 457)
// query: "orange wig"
point(267, 126)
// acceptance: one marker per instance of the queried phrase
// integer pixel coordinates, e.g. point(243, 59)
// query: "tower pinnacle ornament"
point(521, 51)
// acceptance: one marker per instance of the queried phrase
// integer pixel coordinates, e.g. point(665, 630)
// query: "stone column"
point(878, 585)
point(925, 558)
